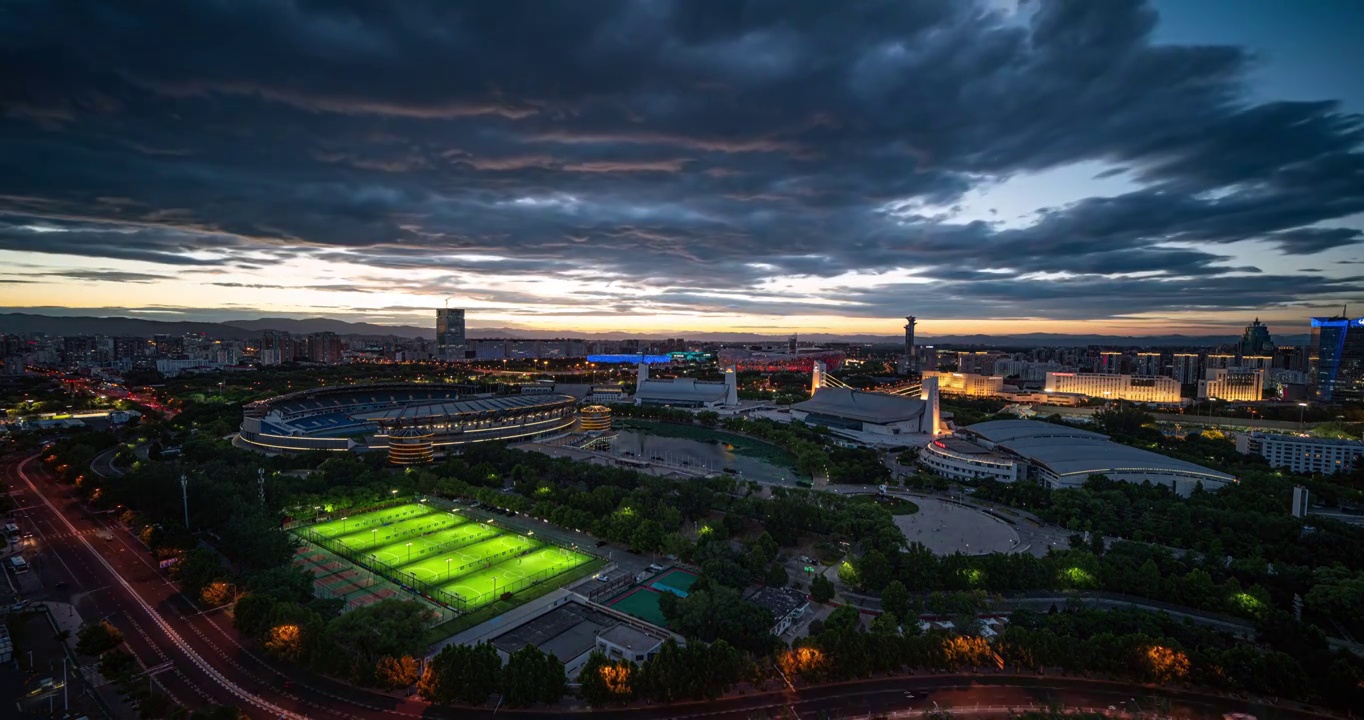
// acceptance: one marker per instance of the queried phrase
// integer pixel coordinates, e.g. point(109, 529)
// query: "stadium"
point(358, 418)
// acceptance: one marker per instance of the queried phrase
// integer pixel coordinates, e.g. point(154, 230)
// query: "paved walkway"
point(947, 527)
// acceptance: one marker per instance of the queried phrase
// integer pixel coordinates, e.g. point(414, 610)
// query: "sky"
point(658, 166)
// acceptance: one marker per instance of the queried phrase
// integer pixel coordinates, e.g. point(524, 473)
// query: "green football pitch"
point(473, 561)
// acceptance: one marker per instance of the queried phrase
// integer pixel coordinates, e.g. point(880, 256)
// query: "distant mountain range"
point(25, 323)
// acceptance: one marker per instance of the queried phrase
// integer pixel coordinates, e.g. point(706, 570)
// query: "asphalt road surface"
point(116, 579)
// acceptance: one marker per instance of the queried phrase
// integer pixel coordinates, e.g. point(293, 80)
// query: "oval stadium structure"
point(360, 417)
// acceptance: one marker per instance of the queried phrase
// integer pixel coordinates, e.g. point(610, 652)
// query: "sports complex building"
point(357, 418)
point(1060, 456)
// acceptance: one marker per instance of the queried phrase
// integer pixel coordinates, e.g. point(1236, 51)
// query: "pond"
point(716, 457)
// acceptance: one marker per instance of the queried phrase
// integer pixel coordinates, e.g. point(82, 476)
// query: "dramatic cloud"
point(689, 157)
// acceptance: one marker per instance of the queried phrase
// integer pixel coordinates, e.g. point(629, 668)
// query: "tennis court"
point(439, 553)
point(642, 602)
point(677, 582)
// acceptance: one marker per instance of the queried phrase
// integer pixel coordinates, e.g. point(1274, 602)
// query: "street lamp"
point(409, 552)
point(447, 568)
point(373, 539)
point(317, 512)
point(344, 518)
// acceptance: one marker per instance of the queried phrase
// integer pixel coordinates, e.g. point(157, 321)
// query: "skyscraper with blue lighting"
point(1336, 358)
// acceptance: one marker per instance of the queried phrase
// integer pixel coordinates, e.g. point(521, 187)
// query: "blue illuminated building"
point(1336, 358)
point(631, 359)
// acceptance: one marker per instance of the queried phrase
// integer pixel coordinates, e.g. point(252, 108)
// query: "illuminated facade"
point(594, 418)
point(364, 417)
point(1233, 384)
point(968, 384)
point(1335, 358)
point(410, 446)
point(1134, 388)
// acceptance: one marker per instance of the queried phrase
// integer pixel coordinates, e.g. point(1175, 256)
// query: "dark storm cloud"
point(686, 149)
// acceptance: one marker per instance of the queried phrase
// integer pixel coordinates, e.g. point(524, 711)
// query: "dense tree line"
point(1241, 535)
point(1128, 645)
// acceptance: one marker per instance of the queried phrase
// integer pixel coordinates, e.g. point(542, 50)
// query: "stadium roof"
point(682, 389)
point(1003, 431)
point(872, 407)
point(1073, 451)
point(468, 407)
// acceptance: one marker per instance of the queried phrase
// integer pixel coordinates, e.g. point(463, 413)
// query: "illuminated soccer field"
point(441, 552)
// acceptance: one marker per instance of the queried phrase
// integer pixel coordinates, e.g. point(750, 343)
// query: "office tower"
point(1335, 358)
point(1109, 363)
point(450, 339)
point(1149, 363)
point(1255, 340)
point(910, 357)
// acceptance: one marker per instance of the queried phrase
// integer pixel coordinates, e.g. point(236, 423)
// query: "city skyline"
point(1126, 168)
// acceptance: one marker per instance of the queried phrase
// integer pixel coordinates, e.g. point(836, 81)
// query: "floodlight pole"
point(184, 496)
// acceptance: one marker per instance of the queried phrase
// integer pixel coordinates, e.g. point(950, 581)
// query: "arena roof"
point(682, 389)
point(1004, 431)
point(468, 407)
point(1073, 451)
point(872, 407)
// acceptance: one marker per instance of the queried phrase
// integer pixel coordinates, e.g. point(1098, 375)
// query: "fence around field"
point(433, 591)
point(524, 525)
point(319, 519)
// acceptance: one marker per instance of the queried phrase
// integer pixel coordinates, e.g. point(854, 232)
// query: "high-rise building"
point(911, 358)
point(1109, 362)
point(1149, 363)
point(1255, 340)
point(325, 348)
point(450, 338)
point(1335, 358)
point(1216, 361)
point(1186, 368)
